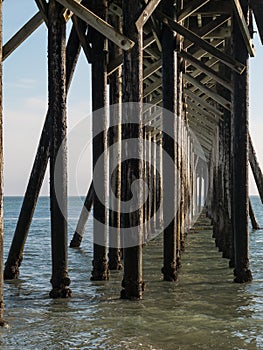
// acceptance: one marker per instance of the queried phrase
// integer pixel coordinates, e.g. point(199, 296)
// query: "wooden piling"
point(37, 174)
point(132, 169)
point(240, 156)
point(99, 127)
point(115, 80)
point(1, 184)
point(169, 86)
point(58, 149)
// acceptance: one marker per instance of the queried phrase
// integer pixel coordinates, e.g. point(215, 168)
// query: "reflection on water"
point(203, 310)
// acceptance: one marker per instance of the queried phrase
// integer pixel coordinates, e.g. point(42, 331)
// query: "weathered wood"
point(240, 157)
point(98, 23)
point(169, 76)
point(257, 7)
point(206, 69)
point(22, 34)
point(226, 59)
point(244, 28)
point(115, 80)
point(37, 174)
point(81, 27)
point(58, 150)
point(84, 216)
point(1, 185)
point(209, 92)
point(132, 169)
point(256, 169)
point(191, 8)
point(146, 13)
point(99, 128)
point(253, 219)
point(43, 8)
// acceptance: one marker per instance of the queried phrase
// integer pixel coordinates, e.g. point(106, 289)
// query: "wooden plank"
point(226, 59)
point(244, 28)
point(215, 96)
point(146, 13)
point(22, 34)
point(98, 23)
point(191, 8)
point(206, 69)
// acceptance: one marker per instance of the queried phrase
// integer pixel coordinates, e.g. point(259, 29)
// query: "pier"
point(171, 148)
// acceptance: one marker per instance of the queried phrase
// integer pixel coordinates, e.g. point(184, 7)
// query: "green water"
point(203, 310)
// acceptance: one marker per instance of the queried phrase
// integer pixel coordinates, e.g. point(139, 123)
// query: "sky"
point(25, 97)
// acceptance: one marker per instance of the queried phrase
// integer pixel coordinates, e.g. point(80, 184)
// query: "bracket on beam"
point(244, 28)
point(98, 23)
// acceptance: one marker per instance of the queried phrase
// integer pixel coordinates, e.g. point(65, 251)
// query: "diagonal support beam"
point(146, 13)
point(206, 69)
point(226, 59)
point(203, 103)
point(191, 8)
point(215, 96)
point(255, 169)
point(98, 23)
point(244, 28)
point(22, 34)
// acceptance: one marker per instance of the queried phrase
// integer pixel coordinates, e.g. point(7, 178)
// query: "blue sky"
point(25, 102)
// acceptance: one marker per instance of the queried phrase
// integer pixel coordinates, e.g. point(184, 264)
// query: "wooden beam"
point(226, 59)
point(146, 13)
point(98, 23)
point(204, 103)
point(215, 96)
point(152, 69)
point(207, 29)
point(81, 27)
point(256, 169)
point(43, 8)
point(257, 7)
point(244, 28)
point(190, 8)
point(206, 69)
point(152, 87)
point(22, 34)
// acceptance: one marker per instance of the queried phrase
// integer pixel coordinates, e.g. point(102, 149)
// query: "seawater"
point(204, 309)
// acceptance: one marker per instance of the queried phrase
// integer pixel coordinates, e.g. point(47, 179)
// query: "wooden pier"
point(170, 82)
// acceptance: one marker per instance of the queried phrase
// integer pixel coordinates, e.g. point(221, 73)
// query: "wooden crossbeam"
point(152, 87)
point(146, 13)
point(22, 34)
point(152, 69)
point(223, 57)
point(207, 117)
point(215, 96)
point(98, 23)
point(190, 8)
point(206, 30)
point(206, 69)
point(244, 28)
point(203, 103)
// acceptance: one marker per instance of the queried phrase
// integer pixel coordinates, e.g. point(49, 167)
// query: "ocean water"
point(204, 309)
